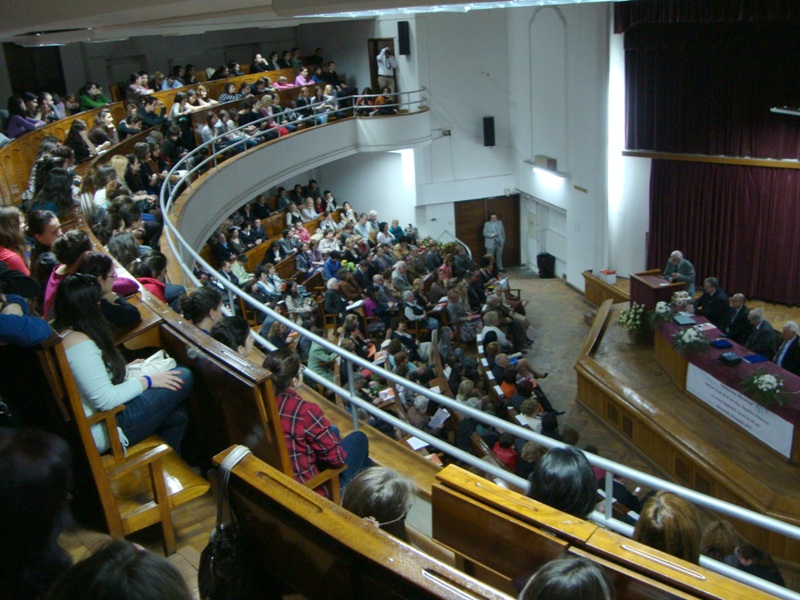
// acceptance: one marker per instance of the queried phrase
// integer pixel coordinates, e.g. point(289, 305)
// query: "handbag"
point(159, 362)
point(225, 572)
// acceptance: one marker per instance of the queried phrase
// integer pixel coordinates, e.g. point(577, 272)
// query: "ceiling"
point(56, 22)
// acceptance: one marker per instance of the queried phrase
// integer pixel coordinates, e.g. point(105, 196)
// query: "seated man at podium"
point(738, 326)
point(680, 269)
point(713, 304)
point(762, 339)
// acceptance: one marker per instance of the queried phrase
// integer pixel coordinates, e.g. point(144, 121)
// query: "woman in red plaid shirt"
point(312, 441)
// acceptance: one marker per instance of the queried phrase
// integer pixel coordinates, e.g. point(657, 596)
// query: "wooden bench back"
point(322, 551)
point(470, 513)
point(488, 539)
point(234, 401)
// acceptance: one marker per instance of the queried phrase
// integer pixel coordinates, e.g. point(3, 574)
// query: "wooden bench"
point(301, 541)
point(234, 401)
point(481, 521)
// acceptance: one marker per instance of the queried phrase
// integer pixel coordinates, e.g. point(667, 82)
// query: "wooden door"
point(472, 214)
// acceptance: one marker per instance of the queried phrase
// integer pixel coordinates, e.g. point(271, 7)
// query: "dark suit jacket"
point(714, 307)
point(791, 360)
point(738, 327)
point(762, 340)
point(362, 279)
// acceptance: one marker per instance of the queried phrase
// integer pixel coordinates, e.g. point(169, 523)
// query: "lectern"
point(650, 287)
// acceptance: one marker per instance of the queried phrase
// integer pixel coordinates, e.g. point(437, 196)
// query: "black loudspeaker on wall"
point(488, 131)
point(404, 37)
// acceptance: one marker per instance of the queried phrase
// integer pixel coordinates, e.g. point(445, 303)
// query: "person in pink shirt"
point(301, 233)
point(304, 78)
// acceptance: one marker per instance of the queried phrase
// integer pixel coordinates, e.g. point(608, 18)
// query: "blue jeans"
point(160, 411)
point(356, 446)
point(173, 294)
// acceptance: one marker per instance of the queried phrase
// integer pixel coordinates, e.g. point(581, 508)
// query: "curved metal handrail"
point(167, 199)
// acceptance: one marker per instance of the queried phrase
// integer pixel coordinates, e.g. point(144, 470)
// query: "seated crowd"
point(388, 295)
point(323, 92)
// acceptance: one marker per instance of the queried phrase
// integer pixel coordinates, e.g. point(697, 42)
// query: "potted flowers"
point(633, 319)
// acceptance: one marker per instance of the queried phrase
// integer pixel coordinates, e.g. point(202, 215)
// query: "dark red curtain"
point(708, 88)
point(630, 14)
point(741, 224)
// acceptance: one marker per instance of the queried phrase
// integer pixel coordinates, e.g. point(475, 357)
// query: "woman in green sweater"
point(91, 96)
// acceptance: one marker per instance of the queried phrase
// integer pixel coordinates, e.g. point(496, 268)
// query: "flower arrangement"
point(424, 243)
point(690, 340)
point(681, 299)
point(632, 318)
point(350, 266)
point(661, 313)
point(448, 248)
point(765, 388)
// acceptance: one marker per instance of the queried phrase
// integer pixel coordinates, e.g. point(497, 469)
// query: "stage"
point(625, 386)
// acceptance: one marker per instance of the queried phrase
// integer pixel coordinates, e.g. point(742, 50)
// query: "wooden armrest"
point(323, 477)
point(138, 461)
point(106, 415)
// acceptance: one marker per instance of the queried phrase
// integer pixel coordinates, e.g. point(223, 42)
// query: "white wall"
point(344, 42)
point(375, 181)
point(467, 79)
point(628, 180)
point(559, 60)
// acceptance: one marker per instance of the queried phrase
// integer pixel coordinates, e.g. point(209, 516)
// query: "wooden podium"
point(650, 287)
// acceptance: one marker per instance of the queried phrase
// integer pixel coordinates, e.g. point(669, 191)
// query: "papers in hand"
point(355, 305)
point(438, 419)
point(416, 444)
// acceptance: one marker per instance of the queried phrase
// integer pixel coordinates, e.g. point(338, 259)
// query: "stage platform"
point(624, 385)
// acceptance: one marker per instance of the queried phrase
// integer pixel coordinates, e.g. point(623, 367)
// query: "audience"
point(420, 277)
point(35, 481)
point(563, 479)
point(382, 496)
point(311, 440)
point(121, 570)
point(670, 524)
point(569, 578)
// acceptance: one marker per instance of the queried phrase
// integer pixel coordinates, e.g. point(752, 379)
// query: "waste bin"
point(547, 265)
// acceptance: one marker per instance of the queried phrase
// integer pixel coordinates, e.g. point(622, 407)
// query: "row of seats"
point(17, 157)
point(499, 538)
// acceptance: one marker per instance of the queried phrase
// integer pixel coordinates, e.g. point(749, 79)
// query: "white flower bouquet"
point(690, 340)
point(764, 388)
point(661, 313)
point(633, 317)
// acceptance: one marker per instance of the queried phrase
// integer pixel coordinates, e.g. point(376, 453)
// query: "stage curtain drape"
point(708, 88)
point(630, 14)
point(739, 224)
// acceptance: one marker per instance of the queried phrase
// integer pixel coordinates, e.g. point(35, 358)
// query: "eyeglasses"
point(112, 275)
